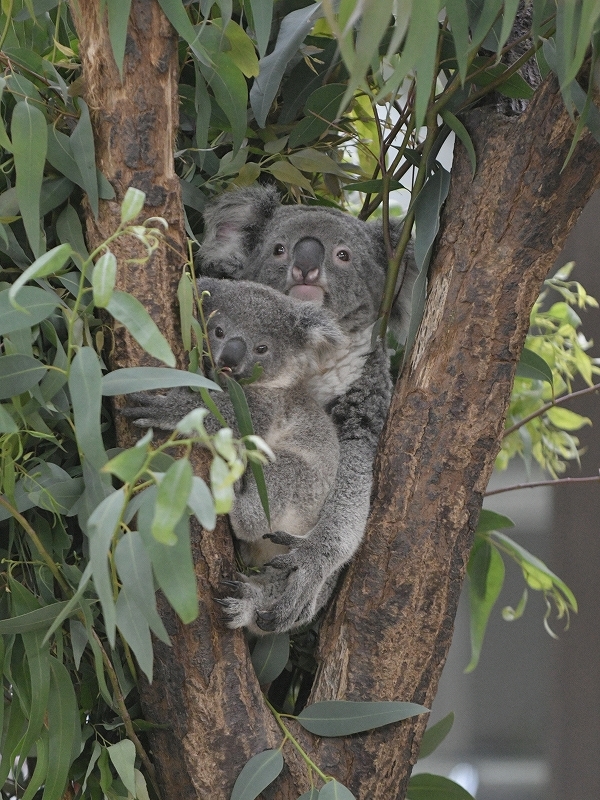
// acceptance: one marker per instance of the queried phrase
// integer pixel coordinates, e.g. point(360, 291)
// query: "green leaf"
point(103, 279)
point(127, 464)
point(135, 630)
point(427, 214)
point(270, 655)
point(257, 774)
point(435, 735)
point(85, 381)
point(122, 756)
point(286, 173)
point(41, 767)
point(64, 730)
point(135, 570)
point(486, 574)
point(84, 153)
point(175, 12)
point(335, 791)
point(29, 137)
point(344, 717)
point(48, 264)
point(244, 421)
point(118, 19)
point(262, 18)
point(312, 794)
point(35, 304)
point(372, 187)
point(463, 134)
point(35, 620)
point(171, 501)
point(312, 160)
point(491, 521)
point(132, 204)
point(533, 366)
point(130, 312)
point(69, 231)
point(172, 564)
point(18, 373)
point(101, 527)
point(144, 379)
point(242, 51)
point(231, 93)
point(567, 420)
point(435, 787)
point(201, 504)
point(7, 423)
point(185, 300)
point(292, 32)
point(320, 111)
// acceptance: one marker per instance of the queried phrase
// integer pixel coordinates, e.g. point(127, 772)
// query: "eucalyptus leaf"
point(435, 735)
point(135, 630)
point(86, 397)
point(64, 730)
point(18, 373)
point(143, 379)
point(130, 312)
point(344, 717)
point(118, 19)
point(257, 774)
point(270, 655)
point(48, 264)
point(531, 365)
point(171, 501)
point(486, 578)
point(29, 143)
point(492, 521)
point(35, 304)
point(435, 787)
point(335, 791)
point(84, 153)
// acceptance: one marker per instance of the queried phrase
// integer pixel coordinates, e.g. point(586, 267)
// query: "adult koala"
point(329, 258)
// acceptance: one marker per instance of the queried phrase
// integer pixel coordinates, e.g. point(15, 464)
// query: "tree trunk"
point(388, 633)
point(389, 630)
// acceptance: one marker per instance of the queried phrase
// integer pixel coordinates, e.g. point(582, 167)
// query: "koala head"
point(310, 253)
point(249, 324)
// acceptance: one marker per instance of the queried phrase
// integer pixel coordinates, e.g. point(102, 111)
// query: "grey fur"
point(250, 324)
point(249, 234)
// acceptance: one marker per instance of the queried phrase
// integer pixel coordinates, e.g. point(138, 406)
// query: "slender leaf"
point(463, 134)
point(320, 111)
point(35, 304)
point(231, 93)
point(270, 655)
point(262, 17)
point(35, 620)
point(201, 504)
point(29, 139)
point(84, 153)
point(18, 373)
point(427, 213)
point(171, 501)
point(130, 312)
point(435, 735)
point(103, 279)
point(486, 574)
point(257, 774)
point(86, 397)
point(69, 231)
point(533, 366)
point(51, 262)
point(118, 19)
point(175, 13)
point(135, 630)
point(491, 521)
point(41, 767)
point(122, 756)
point(132, 204)
point(64, 731)
point(144, 379)
point(344, 717)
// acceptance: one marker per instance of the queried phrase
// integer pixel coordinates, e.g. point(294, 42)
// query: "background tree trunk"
point(389, 630)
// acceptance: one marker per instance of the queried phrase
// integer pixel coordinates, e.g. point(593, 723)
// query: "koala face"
point(314, 254)
point(249, 325)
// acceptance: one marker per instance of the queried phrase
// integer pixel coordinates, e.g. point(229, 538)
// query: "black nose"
point(232, 354)
point(308, 257)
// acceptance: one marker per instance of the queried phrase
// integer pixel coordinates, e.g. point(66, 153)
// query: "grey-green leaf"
point(492, 521)
point(144, 379)
point(257, 774)
point(486, 578)
point(18, 373)
point(35, 304)
point(86, 397)
point(435, 735)
point(118, 18)
point(435, 787)
point(64, 730)
point(84, 153)
point(122, 756)
point(29, 141)
point(335, 791)
point(171, 501)
point(270, 655)
point(33, 620)
point(344, 717)
point(130, 312)
point(201, 504)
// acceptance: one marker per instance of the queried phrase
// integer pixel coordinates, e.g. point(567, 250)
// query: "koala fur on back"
point(250, 324)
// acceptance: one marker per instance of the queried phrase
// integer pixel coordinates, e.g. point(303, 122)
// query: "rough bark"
point(204, 693)
point(388, 633)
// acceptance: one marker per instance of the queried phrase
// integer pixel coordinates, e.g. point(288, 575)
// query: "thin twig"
point(543, 409)
point(555, 482)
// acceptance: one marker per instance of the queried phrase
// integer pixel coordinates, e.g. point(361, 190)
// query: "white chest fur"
point(340, 370)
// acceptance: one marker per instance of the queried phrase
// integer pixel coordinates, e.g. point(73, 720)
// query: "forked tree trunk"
point(388, 632)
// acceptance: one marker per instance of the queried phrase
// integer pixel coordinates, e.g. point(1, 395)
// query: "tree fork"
point(388, 632)
point(205, 693)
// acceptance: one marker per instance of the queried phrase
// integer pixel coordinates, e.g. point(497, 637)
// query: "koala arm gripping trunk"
point(297, 584)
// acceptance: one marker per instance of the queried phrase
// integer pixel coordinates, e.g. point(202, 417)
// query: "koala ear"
point(407, 275)
point(233, 227)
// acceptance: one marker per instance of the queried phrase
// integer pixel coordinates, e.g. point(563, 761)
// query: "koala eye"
point(278, 250)
point(219, 332)
point(343, 255)
point(262, 348)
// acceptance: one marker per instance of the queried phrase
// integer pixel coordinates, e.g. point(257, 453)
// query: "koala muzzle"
point(232, 353)
point(307, 259)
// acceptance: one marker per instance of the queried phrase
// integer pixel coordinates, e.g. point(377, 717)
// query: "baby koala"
point(248, 325)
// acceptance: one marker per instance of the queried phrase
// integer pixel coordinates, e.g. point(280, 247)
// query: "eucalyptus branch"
point(288, 736)
point(556, 482)
point(36, 540)
point(547, 406)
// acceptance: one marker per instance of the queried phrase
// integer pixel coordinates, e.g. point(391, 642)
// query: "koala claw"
point(222, 601)
point(266, 620)
point(231, 584)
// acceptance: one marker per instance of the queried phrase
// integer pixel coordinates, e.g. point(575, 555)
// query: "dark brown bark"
point(388, 633)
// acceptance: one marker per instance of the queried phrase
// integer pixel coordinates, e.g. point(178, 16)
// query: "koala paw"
point(161, 411)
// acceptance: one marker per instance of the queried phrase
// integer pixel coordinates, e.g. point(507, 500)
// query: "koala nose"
point(232, 354)
point(307, 258)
